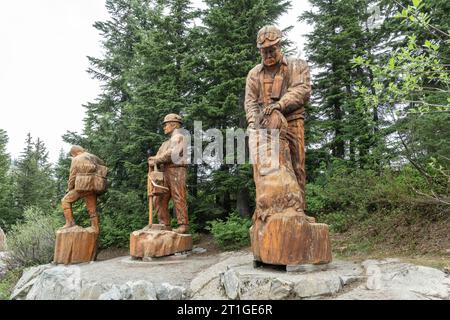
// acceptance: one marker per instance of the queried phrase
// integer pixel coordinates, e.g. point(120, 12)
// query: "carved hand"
point(270, 108)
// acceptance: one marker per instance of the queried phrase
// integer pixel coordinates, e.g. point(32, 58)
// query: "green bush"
point(8, 281)
point(343, 196)
point(338, 221)
point(231, 234)
point(32, 241)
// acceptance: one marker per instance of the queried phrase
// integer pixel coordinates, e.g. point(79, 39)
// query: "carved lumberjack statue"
point(276, 91)
point(166, 180)
point(87, 180)
point(283, 84)
point(174, 174)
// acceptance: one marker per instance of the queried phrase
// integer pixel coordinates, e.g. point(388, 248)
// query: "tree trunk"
point(243, 202)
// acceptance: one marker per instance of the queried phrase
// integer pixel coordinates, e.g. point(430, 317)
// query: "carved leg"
point(68, 214)
point(91, 205)
point(66, 204)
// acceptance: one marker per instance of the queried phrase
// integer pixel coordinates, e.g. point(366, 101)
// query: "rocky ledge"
point(230, 276)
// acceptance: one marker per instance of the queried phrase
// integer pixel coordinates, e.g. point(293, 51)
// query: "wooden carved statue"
point(166, 180)
point(276, 90)
point(174, 176)
point(280, 83)
point(87, 180)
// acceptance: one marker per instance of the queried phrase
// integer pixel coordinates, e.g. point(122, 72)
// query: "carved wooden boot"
point(183, 229)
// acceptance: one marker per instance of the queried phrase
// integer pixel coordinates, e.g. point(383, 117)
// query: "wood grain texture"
point(287, 239)
point(2, 240)
point(158, 243)
point(75, 245)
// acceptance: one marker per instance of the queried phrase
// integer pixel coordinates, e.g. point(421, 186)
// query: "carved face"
point(170, 126)
point(271, 55)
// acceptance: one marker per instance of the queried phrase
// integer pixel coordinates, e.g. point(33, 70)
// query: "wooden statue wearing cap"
point(166, 180)
point(171, 162)
point(280, 83)
point(276, 92)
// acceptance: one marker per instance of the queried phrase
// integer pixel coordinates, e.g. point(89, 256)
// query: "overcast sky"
point(43, 78)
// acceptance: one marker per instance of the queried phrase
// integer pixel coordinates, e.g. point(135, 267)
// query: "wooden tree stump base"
point(75, 245)
point(155, 242)
point(287, 239)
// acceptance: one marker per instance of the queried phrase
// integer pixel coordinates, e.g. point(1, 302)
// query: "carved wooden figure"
point(166, 180)
point(276, 90)
point(2, 240)
point(87, 180)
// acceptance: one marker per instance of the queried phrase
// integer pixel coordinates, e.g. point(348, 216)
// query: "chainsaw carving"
point(87, 180)
point(276, 91)
point(166, 180)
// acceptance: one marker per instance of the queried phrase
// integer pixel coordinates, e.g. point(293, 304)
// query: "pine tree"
point(34, 184)
point(335, 122)
point(8, 214)
point(142, 73)
point(227, 52)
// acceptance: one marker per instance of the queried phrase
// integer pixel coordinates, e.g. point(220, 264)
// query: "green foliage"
point(158, 61)
point(343, 197)
point(33, 178)
point(8, 213)
point(233, 233)
point(32, 241)
point(8, 281)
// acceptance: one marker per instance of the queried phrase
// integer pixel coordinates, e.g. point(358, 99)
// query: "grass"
point(8, 281)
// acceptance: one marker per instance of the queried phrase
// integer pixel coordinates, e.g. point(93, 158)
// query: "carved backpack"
point(91, 176)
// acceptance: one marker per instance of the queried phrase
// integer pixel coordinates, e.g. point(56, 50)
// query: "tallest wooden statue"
point(275, 95)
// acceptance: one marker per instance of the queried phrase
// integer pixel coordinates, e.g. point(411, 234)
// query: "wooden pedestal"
point(75, 245)
point(289, 240)
point(158, 243)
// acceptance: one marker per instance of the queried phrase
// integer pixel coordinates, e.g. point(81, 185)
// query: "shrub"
point(8, 281)
point(231, 234)
point(32, 241)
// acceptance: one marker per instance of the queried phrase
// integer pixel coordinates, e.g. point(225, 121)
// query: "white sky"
point(43, 78)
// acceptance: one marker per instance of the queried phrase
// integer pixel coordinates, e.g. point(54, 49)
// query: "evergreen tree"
point(8, 214)
point(227, 51)
point(62, 171)
point(142, 72)
point(33, 177)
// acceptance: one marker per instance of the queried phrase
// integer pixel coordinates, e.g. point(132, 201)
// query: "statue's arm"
point(176, 144)
point(299, 90)
point(251, 97)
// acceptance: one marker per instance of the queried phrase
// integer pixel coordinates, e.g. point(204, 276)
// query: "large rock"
point(75, 245)
point(246, 283)
point(158, 243)
point(27, 281)
point(229, 276)
point(392, 280)
point(57, 283)
point(2, 240)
